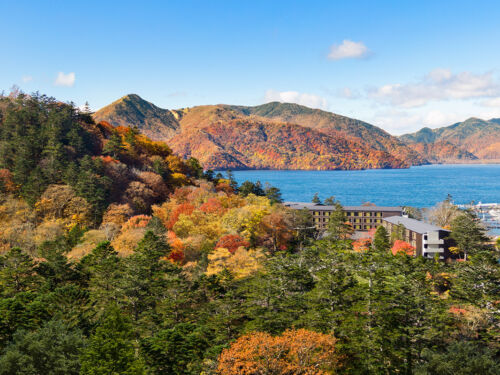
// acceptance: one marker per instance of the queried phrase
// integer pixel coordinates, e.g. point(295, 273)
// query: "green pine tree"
point(112, 348)
point(381, 240)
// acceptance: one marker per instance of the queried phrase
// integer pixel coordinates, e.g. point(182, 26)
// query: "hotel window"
point(358, 227)
point(379, 214)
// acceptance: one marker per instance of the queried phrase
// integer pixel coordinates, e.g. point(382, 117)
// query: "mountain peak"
point(132, 110)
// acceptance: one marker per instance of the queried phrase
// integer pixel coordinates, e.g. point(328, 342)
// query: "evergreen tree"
point(114, 146)
point(338, 228)
point(248, 187)
point(105, 273)
point(316, 199)
point(381, 240)
point(468, 234)
point(273, 194)
point(144, 281)
point(17, 273)
point(93, 186)
point(112, 349)
point(52, 350)
point(232, 181)
point(178, 350)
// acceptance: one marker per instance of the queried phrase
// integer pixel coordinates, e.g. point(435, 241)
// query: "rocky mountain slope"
point(271, 136)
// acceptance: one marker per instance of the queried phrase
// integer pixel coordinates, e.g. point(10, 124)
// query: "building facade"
point(428, 240)
point(362, 218)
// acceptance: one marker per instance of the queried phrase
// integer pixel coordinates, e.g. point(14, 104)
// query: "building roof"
point(413, 225)
point(322, 207)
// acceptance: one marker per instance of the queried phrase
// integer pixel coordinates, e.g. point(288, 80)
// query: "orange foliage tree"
point(402, 247)
point(363, 244)
point(294, 352)
point(184, 208)
point(6, 181)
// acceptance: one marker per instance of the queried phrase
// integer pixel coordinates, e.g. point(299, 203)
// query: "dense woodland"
point(119, 257)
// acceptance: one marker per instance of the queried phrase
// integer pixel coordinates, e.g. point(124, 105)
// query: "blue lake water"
point(417, 186)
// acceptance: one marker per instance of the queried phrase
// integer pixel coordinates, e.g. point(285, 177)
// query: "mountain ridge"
point(271, 136)
point(480, 138)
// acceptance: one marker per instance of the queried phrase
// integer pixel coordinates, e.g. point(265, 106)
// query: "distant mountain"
point(473, 139)
point(271, 136)
point(367, 135)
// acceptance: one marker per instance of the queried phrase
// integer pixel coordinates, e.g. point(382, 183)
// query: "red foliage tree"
point(232, 242)
point(212, 206)
point(177, 248)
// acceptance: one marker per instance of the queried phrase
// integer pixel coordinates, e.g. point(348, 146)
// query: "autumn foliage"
point(292, 353)
point(232, 242)
point(402, 247)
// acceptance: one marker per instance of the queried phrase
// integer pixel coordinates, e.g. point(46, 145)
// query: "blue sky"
point(400, 65)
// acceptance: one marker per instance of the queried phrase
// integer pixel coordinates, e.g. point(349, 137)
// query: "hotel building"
point(362, 218)
point(427, 239)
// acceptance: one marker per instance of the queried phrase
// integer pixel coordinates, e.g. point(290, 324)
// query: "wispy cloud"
point(66, 80)
point(348, 50)
point(348, 93)
point(439, 84)
point(27, 79)
point(309, 100)
point(493, 102)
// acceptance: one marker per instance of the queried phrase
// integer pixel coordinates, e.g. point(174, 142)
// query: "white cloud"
point(348, 50)
point(67, 80)
point(493, 102)
point(399, 122)
point(309, 100)
point(439, 84)
point(27, 79)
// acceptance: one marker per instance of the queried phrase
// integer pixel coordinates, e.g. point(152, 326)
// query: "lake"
point(421, 186)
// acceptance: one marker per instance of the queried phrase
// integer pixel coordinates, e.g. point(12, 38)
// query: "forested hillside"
point(271, 136)
point(473, 139)
point(367, 136)
point(119, 257)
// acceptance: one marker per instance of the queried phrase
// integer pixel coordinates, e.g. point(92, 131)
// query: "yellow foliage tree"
point(241, 264)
